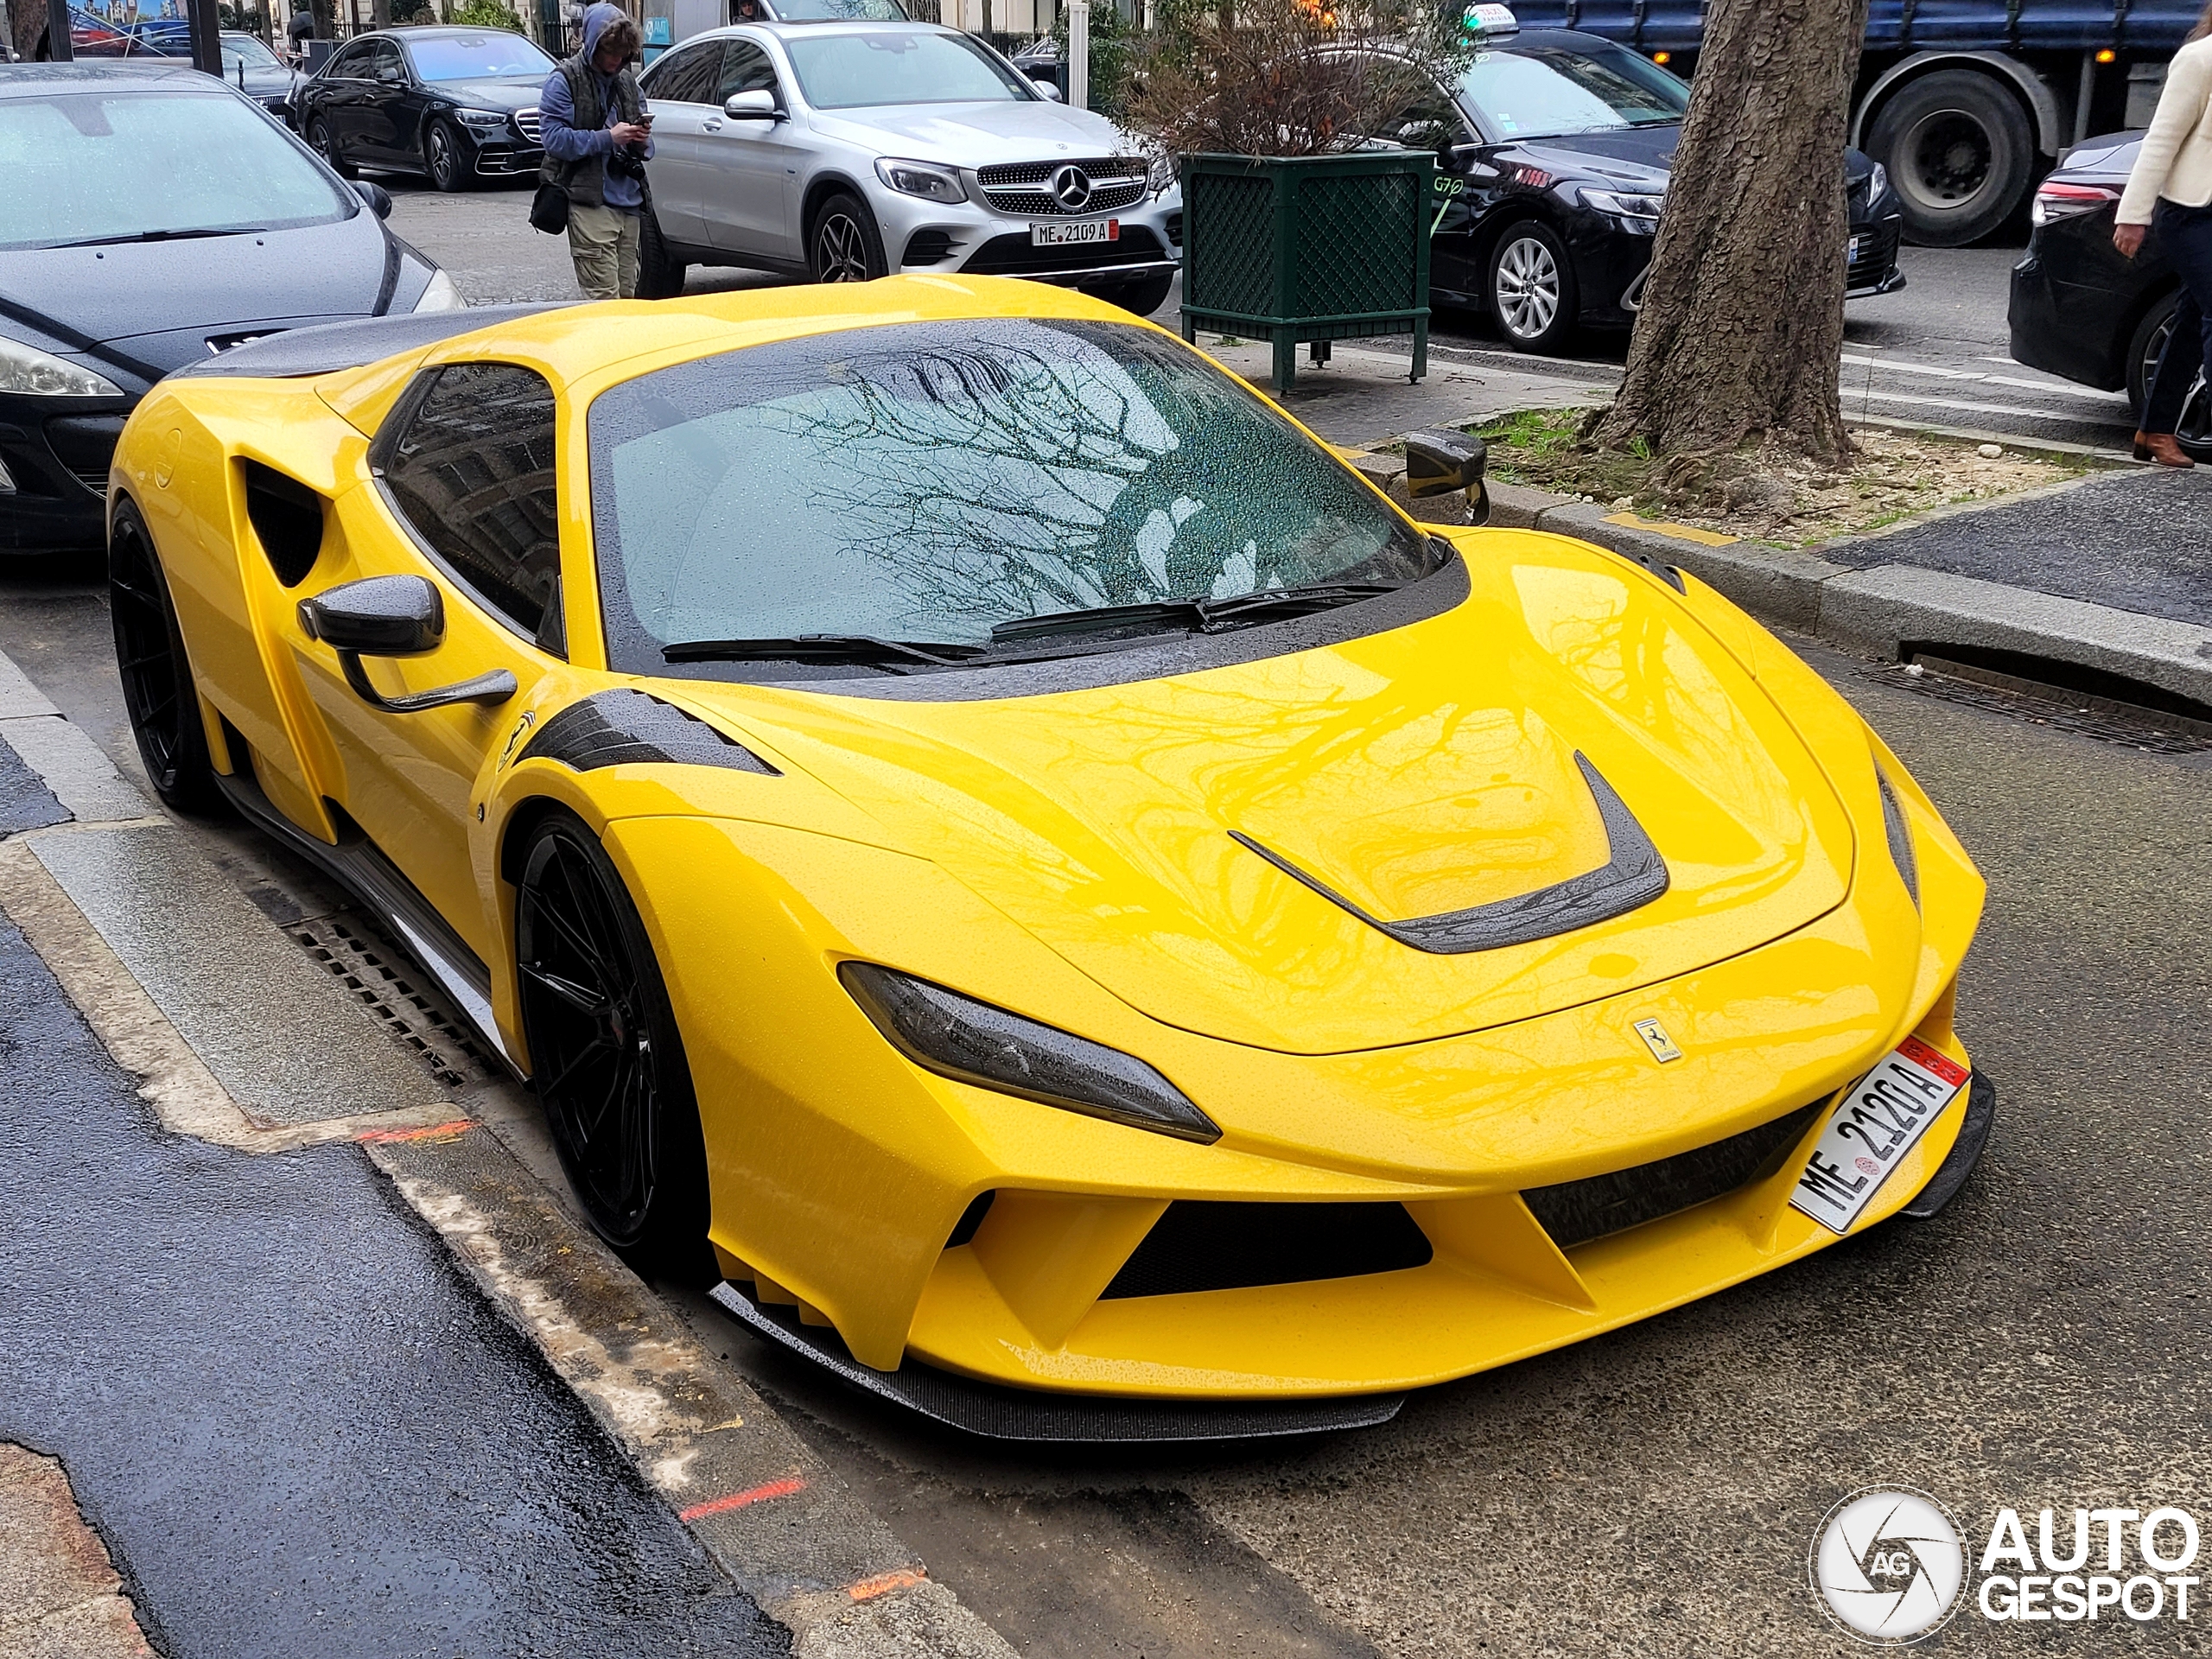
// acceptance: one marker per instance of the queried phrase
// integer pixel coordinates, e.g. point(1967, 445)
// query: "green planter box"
point(1308, 248)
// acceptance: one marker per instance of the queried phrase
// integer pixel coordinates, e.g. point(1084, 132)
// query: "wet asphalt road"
point(298, 1430)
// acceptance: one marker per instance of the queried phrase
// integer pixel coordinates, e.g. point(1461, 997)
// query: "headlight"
point(1161, 177)
point(1878, 182)
point(1637, 211)
point(922, 178)
point(441, 294)
point(1898, 828)
point(483, 118)
point(25, 369)
point(957, 1037)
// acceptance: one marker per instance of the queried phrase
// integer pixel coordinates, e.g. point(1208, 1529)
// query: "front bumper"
point(975, 239)
point(56, 451)
point(506, 161)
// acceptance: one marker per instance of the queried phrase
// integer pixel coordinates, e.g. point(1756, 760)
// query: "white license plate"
point(1081, 230)
point(1882, 1118)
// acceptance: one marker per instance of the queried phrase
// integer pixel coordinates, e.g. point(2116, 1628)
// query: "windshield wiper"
point(156, 236)
point(820, 648)
point(1193, 615)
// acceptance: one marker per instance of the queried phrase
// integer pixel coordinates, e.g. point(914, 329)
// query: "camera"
point(626, 164)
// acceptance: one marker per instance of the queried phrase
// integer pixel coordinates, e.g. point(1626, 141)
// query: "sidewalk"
point(2112, 575)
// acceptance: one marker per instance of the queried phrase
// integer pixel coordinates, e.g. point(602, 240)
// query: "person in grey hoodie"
point(597, 140)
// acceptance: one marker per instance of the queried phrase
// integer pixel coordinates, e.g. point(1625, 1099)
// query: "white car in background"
point(845, 151)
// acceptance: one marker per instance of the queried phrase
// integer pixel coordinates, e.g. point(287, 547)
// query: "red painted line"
point(783, 1488)
point(884, 1583)
point(436, 1130)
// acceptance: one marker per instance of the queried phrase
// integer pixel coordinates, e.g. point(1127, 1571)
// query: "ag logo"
point(1887, 1564)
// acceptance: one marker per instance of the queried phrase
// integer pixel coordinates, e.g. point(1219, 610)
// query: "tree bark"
point(27, 22)
point(1740, 335)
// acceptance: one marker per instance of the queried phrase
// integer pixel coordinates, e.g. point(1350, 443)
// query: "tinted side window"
point(351, 63)
point(687, 76)
point(387, 57)
point(472, 474)
point(746, 68)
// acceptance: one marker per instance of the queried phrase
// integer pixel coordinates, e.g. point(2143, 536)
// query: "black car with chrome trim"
point(458, 105)
point(1553, 149)
point(155, 216)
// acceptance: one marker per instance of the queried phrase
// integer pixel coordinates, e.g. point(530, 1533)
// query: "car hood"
point(151, 307)
point(2105, 160)
point(1636, 154)
point(492, 92)
point(1420, 771)
point(975, 135)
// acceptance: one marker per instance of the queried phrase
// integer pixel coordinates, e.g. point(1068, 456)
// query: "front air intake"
point(1202, 1245)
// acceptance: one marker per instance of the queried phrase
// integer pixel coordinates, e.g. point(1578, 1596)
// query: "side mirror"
point(389, 76)
point(1050, 89)
point(375, 197)
point(758, 104)
point(392, 616)
point(1438, 463)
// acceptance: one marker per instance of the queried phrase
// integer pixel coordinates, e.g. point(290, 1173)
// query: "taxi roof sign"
point(1488, 18)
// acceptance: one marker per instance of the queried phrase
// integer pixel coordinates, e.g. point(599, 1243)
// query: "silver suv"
point(844, 152)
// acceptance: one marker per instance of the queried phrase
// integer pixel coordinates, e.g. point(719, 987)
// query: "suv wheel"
point(844, 246)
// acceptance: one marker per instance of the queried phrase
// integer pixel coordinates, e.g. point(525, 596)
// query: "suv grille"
point(1875, 257)
point(1574, 1212)
point(527, 122)
point(1200, 1244)
point(1025, 187)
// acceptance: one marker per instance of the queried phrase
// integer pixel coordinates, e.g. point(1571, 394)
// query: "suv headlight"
point(922, 178)
point(26, 370)
point(440, 294)
point(1637, 211)
point(956, 1036)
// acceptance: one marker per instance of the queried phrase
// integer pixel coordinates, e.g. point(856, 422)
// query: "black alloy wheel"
point(660, 273)
point(321, 141)
point(157, 686)
point(2193, 430)
point(844, 247)
point(443, 158)
point(606, 1059)
point(1533, 298)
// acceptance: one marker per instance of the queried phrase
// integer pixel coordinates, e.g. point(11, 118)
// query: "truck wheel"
point(1960, 152)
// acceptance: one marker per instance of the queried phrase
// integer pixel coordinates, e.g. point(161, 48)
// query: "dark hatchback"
point(2083, 310)
point(454, 104)
point(155, 216)
point(1553, 149)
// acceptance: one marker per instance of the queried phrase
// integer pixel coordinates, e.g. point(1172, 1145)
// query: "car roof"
point(144, 74)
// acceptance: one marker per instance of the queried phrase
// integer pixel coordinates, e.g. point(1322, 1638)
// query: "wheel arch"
point(1511, 216)
point(2035, 99)
point(819, 189)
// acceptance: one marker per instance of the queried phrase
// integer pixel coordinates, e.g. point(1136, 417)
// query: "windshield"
point(467, 57)
point(244, 49)
point(849, 71)
point(927, 481)
point(1546, 92)
point(84, 166)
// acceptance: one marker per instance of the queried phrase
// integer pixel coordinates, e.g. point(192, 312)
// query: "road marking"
point(884, 1583)
point(429, 1132)
point(784, 1488)
point(2015, 410)
point(2056, 389)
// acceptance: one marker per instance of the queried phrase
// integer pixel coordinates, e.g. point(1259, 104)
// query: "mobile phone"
point(645, 119)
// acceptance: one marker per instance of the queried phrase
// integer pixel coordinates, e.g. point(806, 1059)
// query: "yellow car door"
point(443, 613)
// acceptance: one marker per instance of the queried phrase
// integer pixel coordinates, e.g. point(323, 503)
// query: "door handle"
point(710, 126)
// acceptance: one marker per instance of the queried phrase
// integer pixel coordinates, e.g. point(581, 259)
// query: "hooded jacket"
point(577, 108)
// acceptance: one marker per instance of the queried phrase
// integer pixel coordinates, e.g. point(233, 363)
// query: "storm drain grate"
point(389, 987)
point(2109, 719)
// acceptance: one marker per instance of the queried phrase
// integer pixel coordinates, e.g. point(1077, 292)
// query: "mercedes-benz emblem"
point(1071, 188)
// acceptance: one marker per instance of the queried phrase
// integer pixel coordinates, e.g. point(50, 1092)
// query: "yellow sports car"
point(1104, 924)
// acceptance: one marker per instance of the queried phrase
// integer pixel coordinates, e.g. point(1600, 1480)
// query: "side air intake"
point(617, 728)
point(287, 515)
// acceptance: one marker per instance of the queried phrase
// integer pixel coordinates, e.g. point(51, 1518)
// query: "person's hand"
point(629, 132)
point(2128, 238)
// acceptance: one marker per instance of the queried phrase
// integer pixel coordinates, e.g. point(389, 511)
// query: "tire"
point(1532, 292)
point(660, 274)
point(606, 1058)
point(1961, 155)
point(842, 245)
point(158, 690)
point(2193, 430)
point(1142, 295)
point(445, 159)
point(321, 141)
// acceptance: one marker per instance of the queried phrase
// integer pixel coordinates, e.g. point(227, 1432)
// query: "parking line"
point(761, 1494)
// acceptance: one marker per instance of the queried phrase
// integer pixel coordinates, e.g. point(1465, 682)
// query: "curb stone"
point(1882, 609)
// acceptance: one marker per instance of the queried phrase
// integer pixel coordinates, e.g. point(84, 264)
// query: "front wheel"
point(325, 144)
point(605, 1057)
point(660, 273)
point(1142, 295)
point(442, 158)
point(158, 692)
point(844, 246)
point(1532, 290)
point(1961, 155)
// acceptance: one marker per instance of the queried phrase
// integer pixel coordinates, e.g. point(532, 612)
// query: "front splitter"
point(994, 1411)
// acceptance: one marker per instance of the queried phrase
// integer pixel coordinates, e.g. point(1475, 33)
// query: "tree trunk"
point(27, 22)
point(1741, 333)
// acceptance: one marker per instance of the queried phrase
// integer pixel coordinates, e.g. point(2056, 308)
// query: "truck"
point(1967, 103)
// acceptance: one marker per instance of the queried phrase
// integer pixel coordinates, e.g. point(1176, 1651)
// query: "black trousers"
point(2185, 236)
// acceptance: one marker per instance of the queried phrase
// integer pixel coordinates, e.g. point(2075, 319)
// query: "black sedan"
point(2083, 310)
point(1554, 148)
point(154, 216)
point(455, 104)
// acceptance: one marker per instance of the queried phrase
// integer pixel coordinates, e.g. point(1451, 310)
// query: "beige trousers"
point(603, 242)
